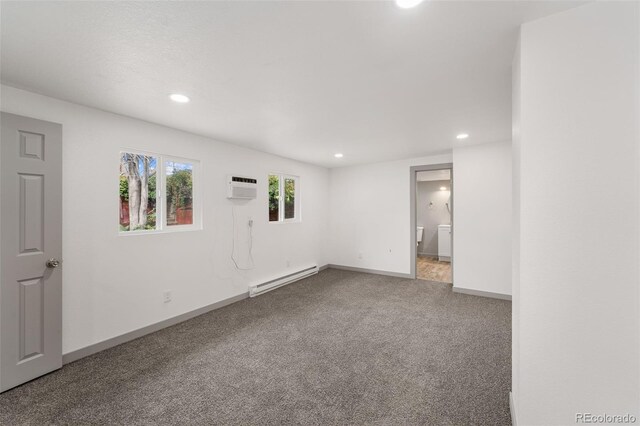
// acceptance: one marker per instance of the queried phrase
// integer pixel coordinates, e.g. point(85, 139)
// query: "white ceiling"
point(432, 175)
point(299, 79)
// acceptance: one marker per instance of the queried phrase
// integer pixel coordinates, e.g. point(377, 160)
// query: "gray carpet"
point(337, 348)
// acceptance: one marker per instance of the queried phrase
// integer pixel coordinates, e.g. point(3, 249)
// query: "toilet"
point(419, 231)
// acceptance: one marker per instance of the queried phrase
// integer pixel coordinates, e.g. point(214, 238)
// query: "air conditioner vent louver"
point(245, 180)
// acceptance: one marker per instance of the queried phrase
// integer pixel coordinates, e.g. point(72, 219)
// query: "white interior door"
point(30, 249)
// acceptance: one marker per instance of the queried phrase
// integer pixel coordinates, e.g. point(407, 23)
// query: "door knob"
point(53, 263)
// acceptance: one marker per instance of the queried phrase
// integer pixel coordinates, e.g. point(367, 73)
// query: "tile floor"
point(431, 269)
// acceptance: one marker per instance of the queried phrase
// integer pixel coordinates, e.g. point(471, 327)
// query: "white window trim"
point(298, 216)
point(196, 205)
point(161, 200)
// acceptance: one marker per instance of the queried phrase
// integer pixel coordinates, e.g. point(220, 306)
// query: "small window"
point(138, 198)
point(283, 198)
point(274, 198)
point(179, 192)
point(157, 193)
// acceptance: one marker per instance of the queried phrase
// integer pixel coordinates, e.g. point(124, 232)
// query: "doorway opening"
point(432, 223)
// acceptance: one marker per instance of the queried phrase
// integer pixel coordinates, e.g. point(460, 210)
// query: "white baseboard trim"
point(481, 293)
point(118, 340)
point(512, 408)
point(369, 271)
point(323, 267)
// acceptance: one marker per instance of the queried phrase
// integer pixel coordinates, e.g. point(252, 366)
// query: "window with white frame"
point(157, 193)
point(284, 198)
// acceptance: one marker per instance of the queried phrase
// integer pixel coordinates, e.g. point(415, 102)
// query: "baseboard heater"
point(258, 289)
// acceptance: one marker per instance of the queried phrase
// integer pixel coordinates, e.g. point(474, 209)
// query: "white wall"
point(369, 214)
point(113, 284)
point(482, 217)
point(576, 314)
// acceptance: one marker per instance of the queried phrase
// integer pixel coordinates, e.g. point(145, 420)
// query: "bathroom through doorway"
point(432, 217)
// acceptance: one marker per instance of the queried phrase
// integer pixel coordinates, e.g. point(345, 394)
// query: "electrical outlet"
point(250, 222)
point(166, 296)
point(359, 255)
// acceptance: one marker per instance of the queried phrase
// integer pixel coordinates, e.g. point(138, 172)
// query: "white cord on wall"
point(233, 242)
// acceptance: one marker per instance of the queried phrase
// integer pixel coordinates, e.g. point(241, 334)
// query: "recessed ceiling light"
point(462, 136)
point(338, 155)
point(407, 4)
point(177, 97)
point(443, 188)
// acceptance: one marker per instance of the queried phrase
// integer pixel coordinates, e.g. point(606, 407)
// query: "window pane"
point(137, 192)
point(179, 190)
point(289, 198)
point(274, 197)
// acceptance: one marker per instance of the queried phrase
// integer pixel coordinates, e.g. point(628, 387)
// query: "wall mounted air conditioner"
point(242, 187)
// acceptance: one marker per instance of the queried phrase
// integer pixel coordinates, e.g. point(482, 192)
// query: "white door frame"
point(413, 176)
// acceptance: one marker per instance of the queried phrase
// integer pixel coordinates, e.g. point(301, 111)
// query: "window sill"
point(162, 231)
